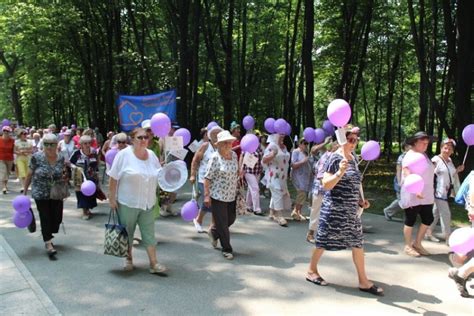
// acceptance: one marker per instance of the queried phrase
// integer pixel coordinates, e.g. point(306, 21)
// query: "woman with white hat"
point(220, 190)
point(277, 158)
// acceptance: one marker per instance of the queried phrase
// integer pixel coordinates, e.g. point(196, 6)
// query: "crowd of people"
point(327, 175)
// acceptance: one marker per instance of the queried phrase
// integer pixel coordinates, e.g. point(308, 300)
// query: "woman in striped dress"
point(339, 225)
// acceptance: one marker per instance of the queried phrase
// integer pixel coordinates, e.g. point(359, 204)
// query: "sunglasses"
point(304, 143)
point(50, 144)
point(121, 142)
point(352, 140)
point(23, 133)
point(143, 137)
point(86, 143)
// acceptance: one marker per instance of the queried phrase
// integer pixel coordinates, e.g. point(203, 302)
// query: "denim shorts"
point(200, 198)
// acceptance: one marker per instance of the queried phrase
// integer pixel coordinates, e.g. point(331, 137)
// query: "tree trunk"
point(307, 62)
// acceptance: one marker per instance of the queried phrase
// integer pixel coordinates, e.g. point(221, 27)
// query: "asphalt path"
point(266, 277)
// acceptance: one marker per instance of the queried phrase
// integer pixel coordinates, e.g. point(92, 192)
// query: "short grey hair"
point(50, 138)
point(121, 137)
point(85, 139)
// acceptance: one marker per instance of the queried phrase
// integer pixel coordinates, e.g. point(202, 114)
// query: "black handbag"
point(32, 226)
point(116, 237)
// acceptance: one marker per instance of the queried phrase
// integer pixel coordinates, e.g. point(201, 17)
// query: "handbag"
point(116, 237)
point(59, 190)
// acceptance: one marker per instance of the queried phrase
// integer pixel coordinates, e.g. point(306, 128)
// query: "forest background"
point(403, 65)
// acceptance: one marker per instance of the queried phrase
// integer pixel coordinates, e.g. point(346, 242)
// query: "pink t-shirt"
point(409, 199)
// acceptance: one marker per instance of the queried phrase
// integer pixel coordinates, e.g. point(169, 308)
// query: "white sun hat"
point(173, 176)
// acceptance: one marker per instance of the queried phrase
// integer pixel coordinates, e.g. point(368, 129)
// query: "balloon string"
point(465, 155)
point(365, 169)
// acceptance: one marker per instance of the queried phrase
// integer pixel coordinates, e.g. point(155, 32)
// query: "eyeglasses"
point(50, 144)
point(352, 140)
point(121, 142)
point(23, 133)
point(304, 143)
point(142, 137)
point(86, 143)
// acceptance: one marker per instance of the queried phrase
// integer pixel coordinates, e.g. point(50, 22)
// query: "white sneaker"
point(197, 226)
point(431, 238)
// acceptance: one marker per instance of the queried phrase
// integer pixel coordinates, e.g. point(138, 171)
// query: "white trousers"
point(253, 192)
point(441, 212)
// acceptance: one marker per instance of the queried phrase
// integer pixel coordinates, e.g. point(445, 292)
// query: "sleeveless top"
point(205, 160)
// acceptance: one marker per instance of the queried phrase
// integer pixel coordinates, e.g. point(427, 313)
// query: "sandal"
point(316, 279)
point(282, 222)
point(374, 290)
point(128, 265)
point(411, 252)
point(460, 282)
point(422, 251)
point(158, 269)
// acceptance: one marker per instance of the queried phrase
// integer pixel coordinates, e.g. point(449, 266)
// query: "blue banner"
point(135, 109)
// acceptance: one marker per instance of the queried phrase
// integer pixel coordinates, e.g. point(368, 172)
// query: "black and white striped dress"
point(339, 226)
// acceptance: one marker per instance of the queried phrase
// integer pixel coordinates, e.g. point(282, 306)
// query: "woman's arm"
point(207, 192)
point(113, 193)
point(269, 157)
point(197, 160)
point(26, 185)
point(330, 180)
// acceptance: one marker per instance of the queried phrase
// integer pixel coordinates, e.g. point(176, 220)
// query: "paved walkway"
point(265, 278)
point(19, 292)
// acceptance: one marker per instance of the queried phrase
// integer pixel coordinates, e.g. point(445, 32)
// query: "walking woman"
point(199, 166)
point(277, 160)
point(220, 190)
point(46, 168)
point(7, 144)
point(339, 226)
point(301, 174)
point(86, 158)
point(446, 175)
point(132, 193)
point(23, 151)
point(417, 204)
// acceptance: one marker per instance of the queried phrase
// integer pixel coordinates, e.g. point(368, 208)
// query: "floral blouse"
point(277, 171)
point(223, 176)
point(89, 163)
point(44, 175)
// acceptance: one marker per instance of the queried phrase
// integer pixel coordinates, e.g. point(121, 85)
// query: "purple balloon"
point(280, 126)
point(6, 122)
point(461, 240)
point(190, 210)
point(21, 203)
point(370, 151)
point(415, 162)
point(110, 155)
point(269, 125)
point(413, 183)
point(22, 219)
point(211, 125)
point(319, 135)
point(183, 132)
point(468, 134)
point(249, 143)
point(288, 129)
point(73, 126)
point(339, 112)
point(88, 188)
point(328, 128)
point(308, 134)
point(248, 122)
point(160, 124)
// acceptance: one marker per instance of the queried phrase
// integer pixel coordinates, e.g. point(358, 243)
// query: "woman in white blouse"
point(220, 189)
point(132, 187)
point(446, 175)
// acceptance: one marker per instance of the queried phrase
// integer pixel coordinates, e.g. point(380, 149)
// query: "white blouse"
point(137, 179)
point(223, 176)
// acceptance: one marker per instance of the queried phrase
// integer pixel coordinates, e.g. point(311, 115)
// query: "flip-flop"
point(318, 280)
point(374, 290)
